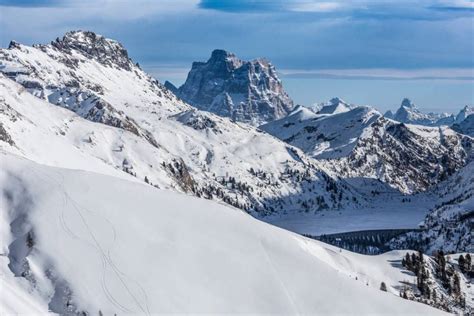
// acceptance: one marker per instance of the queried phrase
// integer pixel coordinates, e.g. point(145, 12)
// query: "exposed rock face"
point(246, 91)
point(168, 85)
point(105, 50)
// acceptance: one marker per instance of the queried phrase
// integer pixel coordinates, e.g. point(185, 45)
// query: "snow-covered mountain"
point(333, 106)
point(464, 113)
point(76, 242)
point(322, 135)
point(245, 91)
point(465, 126)
point(362, 143)
point(410, 158)
point(146, 131)
point(410, 114)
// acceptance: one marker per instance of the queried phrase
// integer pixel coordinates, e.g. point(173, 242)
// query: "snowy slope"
point(154, 134)
point(88, 242)
point(323, 136)
point(334, 106)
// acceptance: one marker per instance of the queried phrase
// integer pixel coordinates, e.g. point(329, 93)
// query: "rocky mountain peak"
point(221, 61)
point(246, 91)
point(408, 103)
point(13, 45)
point(464, 113)
point(336, 100)
point(98, 47)
point(334, 106)
point(466, 126)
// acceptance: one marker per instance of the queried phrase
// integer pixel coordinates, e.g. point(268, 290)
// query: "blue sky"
point(366, 51)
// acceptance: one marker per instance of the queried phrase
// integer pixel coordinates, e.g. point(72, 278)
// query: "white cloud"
point(466, 4)
point(316, 6)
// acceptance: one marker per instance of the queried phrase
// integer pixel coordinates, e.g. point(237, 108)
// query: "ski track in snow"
point(277, 277)
point(106, 259)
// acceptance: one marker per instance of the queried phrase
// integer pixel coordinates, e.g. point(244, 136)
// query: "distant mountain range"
point(410, 114)
point(358, 141)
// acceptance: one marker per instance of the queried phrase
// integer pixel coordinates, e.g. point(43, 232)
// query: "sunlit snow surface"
point(127, 248)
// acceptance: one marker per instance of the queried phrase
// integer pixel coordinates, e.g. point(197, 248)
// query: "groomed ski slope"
point(128, 248)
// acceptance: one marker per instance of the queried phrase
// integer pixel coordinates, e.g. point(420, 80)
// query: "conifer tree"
point(462, 263)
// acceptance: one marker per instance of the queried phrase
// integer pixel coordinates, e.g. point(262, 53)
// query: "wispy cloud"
point(357, 9)
point(383, 73)
point(31, 3)
point(313, 6)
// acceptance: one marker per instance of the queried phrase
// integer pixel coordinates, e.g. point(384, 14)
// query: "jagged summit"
point(336, 100)
point(409, 113)
point(13, 44)
point(408, 103)
point(246, 91)
point(90, 45)
point(104, 50)
point(221, 57)
point(464, 113)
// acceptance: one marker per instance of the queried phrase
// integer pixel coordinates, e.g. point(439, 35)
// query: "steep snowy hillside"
point(152, 135)
point(361, 143)
point(322, 136)
point(450, 225)
point(410, 114)
point(466, 126)
point(246, 91)
point(84, 242)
